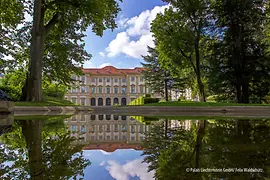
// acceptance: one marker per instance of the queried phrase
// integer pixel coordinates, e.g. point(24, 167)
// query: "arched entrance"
point(108, 101)
point(115, 101)
point(93, 102)
point(123, 101)
point(100, 102)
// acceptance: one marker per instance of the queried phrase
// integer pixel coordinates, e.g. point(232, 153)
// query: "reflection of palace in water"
point(107, 130)
point(111, 132)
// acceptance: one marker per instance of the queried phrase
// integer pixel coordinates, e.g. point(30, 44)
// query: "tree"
point(159, 78)
point(240, 51)
point(13, 15)
point(38, 149)
point(180, 36)
point(55, 38)
point(226, 143)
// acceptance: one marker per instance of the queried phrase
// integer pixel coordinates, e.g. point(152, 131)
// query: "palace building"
point(108, 86)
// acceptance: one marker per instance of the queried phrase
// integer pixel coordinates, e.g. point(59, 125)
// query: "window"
point(116, 80)
point(82, 129)
point(123, 101)
point(108, 128)
point(141, 89)
point(116, 127)
point(115, 101)
point(123, 80)
point(132, 89)
point(100, 128)
point(108, 117)
point(132, 129)
point(100, 117)
point(83, 101)
point(93, 102)
point(132, 78)
point(83, 79)
point(124, 128)
point(124, 117)
point(108, 80)
point(74, 90)
point(141, 79)
point(93, 90)
point(115, 137)
point(73, 128)
point(149, 90)
point(74, 100)
point(124, 90)
point(99, 79)
point(93, 117)
point(100, 90)
point(115, 90)
point(132, 138)
point(124, 137)
point(108, 90)
point(108, 137)
point(83, 89)
point(115, 117)
point(93, 79)
point(100, 137)
point(93, 138)
point(100, 102)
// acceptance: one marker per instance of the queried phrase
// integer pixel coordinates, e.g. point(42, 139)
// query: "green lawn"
point(192, 103)
point(48, 102)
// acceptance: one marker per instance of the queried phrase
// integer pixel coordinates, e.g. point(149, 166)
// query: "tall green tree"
point(180, 35)
point(160, 78)
point(54, 38)
point(41, 149)
point(240, 50)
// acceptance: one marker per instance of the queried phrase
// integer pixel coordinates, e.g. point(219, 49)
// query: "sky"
point(125, 164)
point(124, 46)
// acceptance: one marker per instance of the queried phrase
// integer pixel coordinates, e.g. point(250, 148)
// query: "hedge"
point(151, 100)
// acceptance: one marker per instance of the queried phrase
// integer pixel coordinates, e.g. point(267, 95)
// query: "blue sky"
point(123, 164)
point(124, 46)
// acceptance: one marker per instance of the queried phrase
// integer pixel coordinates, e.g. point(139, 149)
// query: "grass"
point(42, 117)
point(193, 103)
point(50, 101)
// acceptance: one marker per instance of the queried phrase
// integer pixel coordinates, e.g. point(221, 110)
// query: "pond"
point(104, 147)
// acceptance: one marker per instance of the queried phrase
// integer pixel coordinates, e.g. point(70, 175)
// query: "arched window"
point(108, 117)
point(108, 101)
point(93, 102)
point(100, 102)
point(100, 117)
point(93, 117)
point(123, 101)
point(115, 101)
point(115, 117)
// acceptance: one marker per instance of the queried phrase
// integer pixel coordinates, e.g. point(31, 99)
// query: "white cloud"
point(104, 152)
point(115, 47)
point(133, 168)
point(102, 66)
point(102, 54)
point(136, 27)
point(102, 163)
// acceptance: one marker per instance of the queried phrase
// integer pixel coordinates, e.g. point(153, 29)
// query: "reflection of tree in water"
point(219, 144)
point(40, 149)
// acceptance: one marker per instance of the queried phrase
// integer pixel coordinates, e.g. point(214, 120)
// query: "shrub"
point(151, 100)
point(147, 95)
point(13, 92)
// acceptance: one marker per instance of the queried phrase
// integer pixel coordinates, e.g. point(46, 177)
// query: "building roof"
point(111, 70)
point(111, 147)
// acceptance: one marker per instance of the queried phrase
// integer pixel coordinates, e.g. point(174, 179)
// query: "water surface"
point(104, 147)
